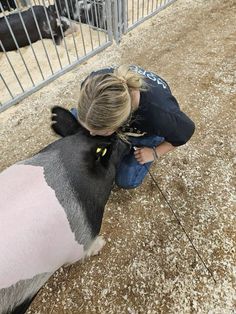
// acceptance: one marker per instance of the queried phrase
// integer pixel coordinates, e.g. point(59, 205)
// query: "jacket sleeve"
point(173, 124)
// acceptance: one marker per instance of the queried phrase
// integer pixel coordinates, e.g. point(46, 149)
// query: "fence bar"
point(120, 21)
point(50, 28)
point(6, 86)
point(109, 19)
point(27, 35)
point(52, 77)
point(115, 21)
point(137, 9)
point(40, 35)
point(125, 15)
point(97, 21)
point(143, 9)
point(147, 6)
point(90, 33)
point(81, 30)
point(13, 70)
point(17, 46)
point(150, 15)
point(59, 18)
point(132, 11)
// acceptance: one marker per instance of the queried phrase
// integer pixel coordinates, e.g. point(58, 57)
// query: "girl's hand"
point(143, 154)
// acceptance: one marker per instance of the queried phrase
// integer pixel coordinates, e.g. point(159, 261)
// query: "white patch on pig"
point(35, 235)
point(72, 29)
point(95, 246)
point(46, 28)
point(58, 22)
point(66, 20)
point(79, 6)
point(64, 11)
point(77, 11)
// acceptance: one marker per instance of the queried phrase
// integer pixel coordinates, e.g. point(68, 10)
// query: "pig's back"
point(35, 235)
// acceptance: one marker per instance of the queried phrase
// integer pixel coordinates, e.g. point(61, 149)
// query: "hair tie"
point(123, 81)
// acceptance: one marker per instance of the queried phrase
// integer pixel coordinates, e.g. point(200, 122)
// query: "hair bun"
point(123, 80)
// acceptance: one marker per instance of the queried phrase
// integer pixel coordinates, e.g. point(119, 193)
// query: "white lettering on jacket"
point(150, 75)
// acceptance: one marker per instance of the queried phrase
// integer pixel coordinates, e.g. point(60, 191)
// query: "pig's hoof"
point(96, 246)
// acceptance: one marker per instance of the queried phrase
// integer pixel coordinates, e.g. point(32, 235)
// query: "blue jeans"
point(130, 173)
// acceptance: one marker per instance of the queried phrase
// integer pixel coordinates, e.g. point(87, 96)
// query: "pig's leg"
point(95, 247)
point(57, 39)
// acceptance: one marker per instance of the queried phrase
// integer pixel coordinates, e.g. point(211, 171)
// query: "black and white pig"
point(84, 11)
point(30, 24)
point(51, 208)
point(9, 5)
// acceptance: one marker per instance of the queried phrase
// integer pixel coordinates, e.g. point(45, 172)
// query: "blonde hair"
point(105, 101)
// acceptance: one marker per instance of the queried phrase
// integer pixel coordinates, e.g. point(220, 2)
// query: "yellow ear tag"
point(103, 151)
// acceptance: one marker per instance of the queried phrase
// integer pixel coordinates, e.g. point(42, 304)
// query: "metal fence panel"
point(26, 68)
point(43, 39)
point(137, 11)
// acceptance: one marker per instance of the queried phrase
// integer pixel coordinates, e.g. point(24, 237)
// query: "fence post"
point(109, 19)
point(119, 13)
point(124, 16)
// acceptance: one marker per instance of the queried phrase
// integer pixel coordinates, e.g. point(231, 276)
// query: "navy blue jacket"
point(158, 112)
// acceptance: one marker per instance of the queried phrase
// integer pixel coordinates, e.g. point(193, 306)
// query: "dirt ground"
point(148, 265)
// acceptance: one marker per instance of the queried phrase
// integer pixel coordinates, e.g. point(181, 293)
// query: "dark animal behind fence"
point(9, 5)
point(51, 209)
point(85, 11)
point(18, 30)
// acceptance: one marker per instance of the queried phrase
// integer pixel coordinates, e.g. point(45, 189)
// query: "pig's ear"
point(63, 122)
point(51, 9)
point(102, 153)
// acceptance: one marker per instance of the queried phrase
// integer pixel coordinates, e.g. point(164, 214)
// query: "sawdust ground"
point(148, 265)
